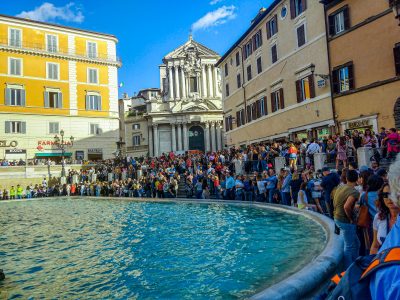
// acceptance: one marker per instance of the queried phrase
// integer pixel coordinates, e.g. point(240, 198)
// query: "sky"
point(147, 30)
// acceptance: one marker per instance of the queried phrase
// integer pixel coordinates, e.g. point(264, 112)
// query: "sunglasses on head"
point(385, 195)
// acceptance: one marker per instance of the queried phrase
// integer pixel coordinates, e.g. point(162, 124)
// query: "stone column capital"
point(207, 124)
point(155, 125)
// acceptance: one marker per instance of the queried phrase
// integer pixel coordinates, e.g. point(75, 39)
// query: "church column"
point(213, 137)
point(178, 93)
point(210, 81)
point(183, 83)
point(179, 137)
point(171, 84)
point(207, 136)
point(185, 137)
point(156, 140)
point(204, 85)
point(216, 91)
point(173, 137)
point(219, 135)
point(151, 151)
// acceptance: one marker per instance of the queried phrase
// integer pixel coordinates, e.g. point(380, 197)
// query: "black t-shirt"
point(357, 141)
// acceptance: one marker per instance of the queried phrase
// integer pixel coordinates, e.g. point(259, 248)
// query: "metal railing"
point(52, 50)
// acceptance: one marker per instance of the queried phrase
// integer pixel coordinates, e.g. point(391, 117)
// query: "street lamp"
point(395, 5)
point(323, 76)
point(61, 145)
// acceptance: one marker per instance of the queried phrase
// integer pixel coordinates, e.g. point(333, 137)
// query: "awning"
point(52, 154)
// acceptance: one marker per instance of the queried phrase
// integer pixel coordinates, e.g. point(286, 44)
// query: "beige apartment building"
point(275, 77)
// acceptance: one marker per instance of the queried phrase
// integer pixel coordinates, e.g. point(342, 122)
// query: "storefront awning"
point(52, 154)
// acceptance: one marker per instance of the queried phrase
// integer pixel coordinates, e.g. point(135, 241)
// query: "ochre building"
point(275, 76)
point(57, 78)
point(364, 49)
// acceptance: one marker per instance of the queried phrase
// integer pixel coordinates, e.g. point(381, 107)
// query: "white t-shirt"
point(302, 204)
point(261, 186)
point(381, 228)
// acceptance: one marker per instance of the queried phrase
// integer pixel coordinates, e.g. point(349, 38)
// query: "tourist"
point(344, 201)
point(19, 191)
point(295, 184)
point(311, 150)
point(330, 180)
point(248, 189)
point(229, 186)
point(384, 283)
point(368, 139)
point(302, 202)
point(392, 140)
point(261, 190)
point(12, 193)
point(272, 182)
point(341, 153)
point(285, 189)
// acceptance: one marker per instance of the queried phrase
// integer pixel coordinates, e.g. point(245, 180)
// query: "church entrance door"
point(196, 138)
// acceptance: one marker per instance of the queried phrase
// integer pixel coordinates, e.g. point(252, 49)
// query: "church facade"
point(188, 114)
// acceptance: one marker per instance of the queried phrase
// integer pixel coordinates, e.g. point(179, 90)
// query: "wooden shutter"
point(248, 113)
point(351, 76)
point(59, 100)
point(87, 102)
point(396, 53)
point(46, 99)
point(273, 106)
point(238, 119)
point(8, 127)
point(301, 36)
point(312, 86)
point(346, 17)
point(265, 106)
point(8, 96)
point(331, 21)
point(304, 4)
point(335, 82)
point(23, 98)
point(254, 42)
point(292, 9)
point(23, 127)
point(276, 23)
point(258, 110)
point(298, 91)
point(281, 98)
point(268, 30)
point(99, 97)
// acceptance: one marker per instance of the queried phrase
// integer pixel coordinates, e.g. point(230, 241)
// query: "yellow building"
point(57, 78)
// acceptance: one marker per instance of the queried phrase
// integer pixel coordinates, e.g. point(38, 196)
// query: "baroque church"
point(188, 113)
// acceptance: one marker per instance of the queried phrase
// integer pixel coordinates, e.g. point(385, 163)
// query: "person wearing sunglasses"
point(384, 219)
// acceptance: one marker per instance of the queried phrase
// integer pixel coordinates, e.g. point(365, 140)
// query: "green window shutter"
point(87, 102)
point(99, 103)
point(8, 96)
point(8, 127)
point(46, 99)
point(23, 127)
point(59, 100)
point(23, 100)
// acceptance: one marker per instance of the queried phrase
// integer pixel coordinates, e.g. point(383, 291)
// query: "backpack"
point(354, 283)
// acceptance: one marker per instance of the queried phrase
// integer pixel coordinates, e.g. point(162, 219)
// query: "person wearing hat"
point(329, 181)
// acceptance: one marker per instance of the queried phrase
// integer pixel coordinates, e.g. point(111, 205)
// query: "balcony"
point(137, 148)
point(36, 48)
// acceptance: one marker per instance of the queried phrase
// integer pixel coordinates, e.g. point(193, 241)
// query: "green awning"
point(51, 154)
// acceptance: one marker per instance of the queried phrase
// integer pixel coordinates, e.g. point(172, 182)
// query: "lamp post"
point(395, 6)
point(323, 76)
point(61, 145)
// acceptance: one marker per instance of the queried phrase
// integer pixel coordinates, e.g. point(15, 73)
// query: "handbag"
point(363, 218)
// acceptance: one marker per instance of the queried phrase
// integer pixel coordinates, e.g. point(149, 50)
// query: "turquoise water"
point(104, 249)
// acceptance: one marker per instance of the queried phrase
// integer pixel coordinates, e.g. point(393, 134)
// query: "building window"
point(257, 39)
point(53, 99)
point(239, 81)
point(135, 126)
point(14, 37)
point(301, 35)
point(93, 102)
point(339, 21)
point(277, 100)
point(92, 75)
point(248, 49)
point(305, 88)
point(193, 85)
point(136, 140)
point(297, 7)
point(226, 69)
point(237, 59)
point(228, 123)
point(227, 90)
point(15, 96)
point(261, 107)
point(15, 127)
point(259, 65)
point(95, 129)
point(249, 113)
point(249, 73)
point(396, 52)
point(52, 45)
point(343, 78)
point(240, 117)
point(91, 49)
point(272, 27)
point(274, 54)
point(52, 71)
point(15, 66)
point(54, 127)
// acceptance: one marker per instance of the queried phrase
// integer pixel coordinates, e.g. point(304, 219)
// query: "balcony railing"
point(53, 50)
point(137, 148)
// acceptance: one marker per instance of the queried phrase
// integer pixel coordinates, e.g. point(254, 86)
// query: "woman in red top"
point(292, 156)
point(392, 140)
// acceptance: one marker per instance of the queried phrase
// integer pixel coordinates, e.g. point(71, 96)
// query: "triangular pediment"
point(191, 45)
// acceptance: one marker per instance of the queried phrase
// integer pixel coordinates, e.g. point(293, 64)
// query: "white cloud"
point(213, 2)
point(48, 12)
point(215, 18)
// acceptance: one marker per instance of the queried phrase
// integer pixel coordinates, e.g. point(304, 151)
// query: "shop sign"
point(4, 144)
point(52, 143)
point(321, 83)
point(95, 151)
point(323, 132)
point(79, 155)
point(16, 151)
point(358, 124)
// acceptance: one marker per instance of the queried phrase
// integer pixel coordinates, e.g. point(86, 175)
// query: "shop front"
point(95, 154)
point(15, 154)
point(360, 125)
point(52, 155)
point(318, 131)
